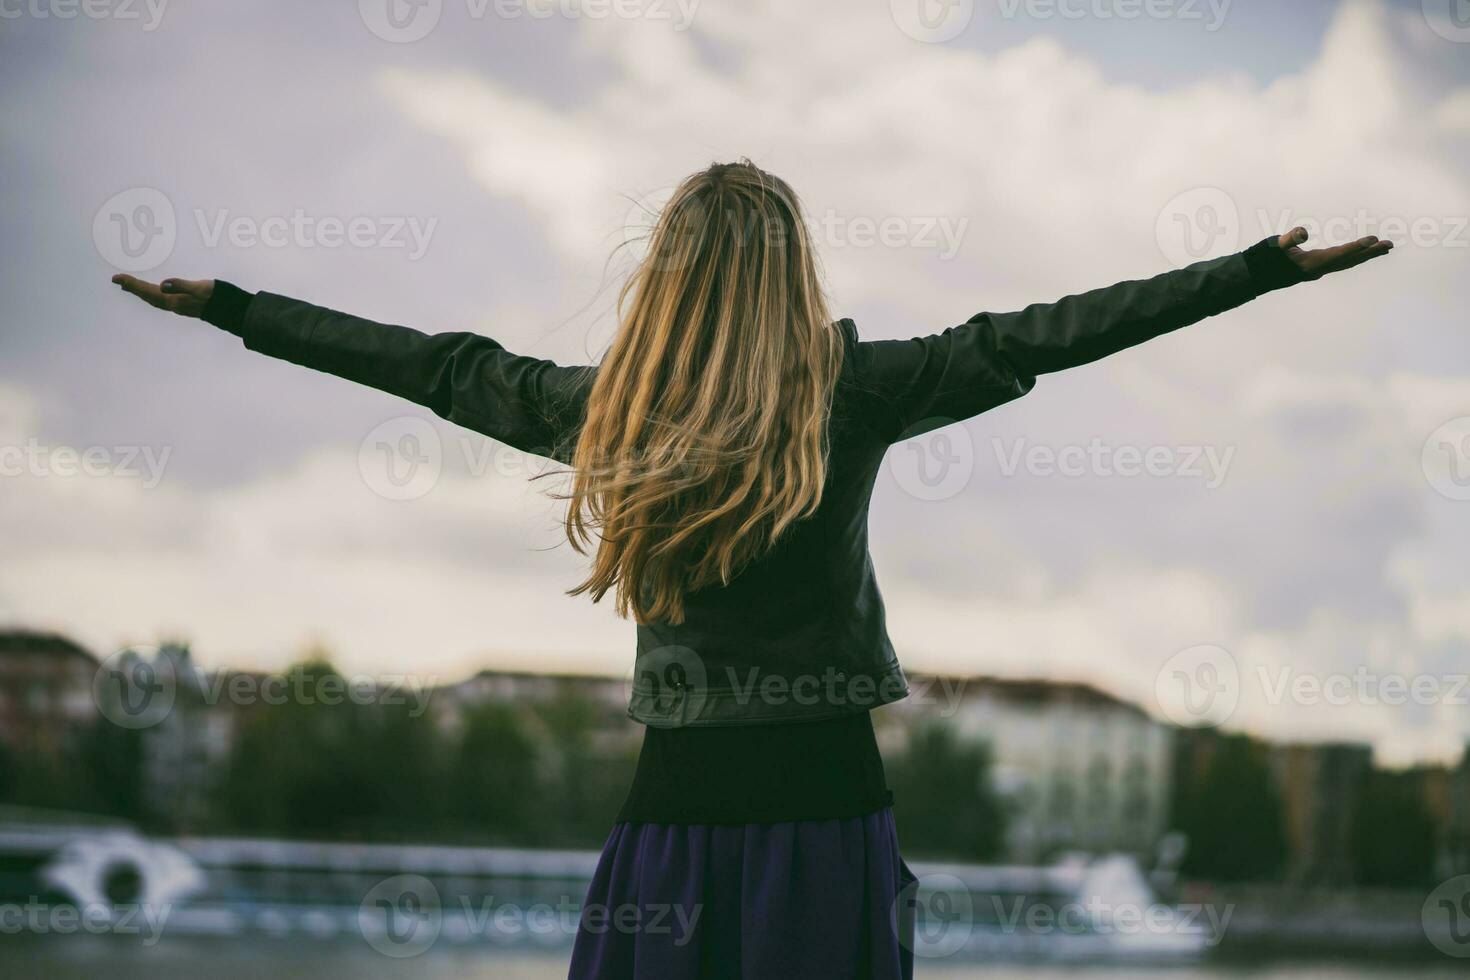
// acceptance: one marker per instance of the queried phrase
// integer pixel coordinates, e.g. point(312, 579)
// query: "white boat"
point(1080, 909)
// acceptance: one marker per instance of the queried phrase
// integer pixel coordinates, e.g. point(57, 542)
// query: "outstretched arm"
point(993, 358)
point(527, 402)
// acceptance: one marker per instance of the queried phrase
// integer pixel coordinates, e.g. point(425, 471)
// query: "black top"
point(809, 610)
point(805, 770)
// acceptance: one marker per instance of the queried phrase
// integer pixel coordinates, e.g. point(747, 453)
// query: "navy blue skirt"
point(808, 899)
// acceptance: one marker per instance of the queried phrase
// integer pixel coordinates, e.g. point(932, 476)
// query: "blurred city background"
point(244, 804)
point(289, 684)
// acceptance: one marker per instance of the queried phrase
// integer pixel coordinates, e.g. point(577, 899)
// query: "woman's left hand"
point(1320, 262)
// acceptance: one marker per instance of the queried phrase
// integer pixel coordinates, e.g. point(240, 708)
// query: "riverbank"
point(1274, 920)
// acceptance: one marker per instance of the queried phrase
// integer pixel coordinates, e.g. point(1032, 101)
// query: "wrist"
point(1271, 267)
point(226, 307)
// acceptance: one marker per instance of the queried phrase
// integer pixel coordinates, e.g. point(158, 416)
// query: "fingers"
point(1297, 236)
point(182, 296)
point(1362, 244)
point(1363, 254)
point(1331, 259)
point(146, 291)
point(1320, 262)
point(197, 288)
point(1355, 253)
point(174, 300)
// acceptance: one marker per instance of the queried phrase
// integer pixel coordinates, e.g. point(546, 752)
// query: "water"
point(82, 957)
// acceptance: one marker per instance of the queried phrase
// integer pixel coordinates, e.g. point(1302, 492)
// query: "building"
point(1080, 769)
point(607, 696)
point(45, 691)
point(189, 746)
point(522, 687)
point(1445, 791)
point(1320, 785)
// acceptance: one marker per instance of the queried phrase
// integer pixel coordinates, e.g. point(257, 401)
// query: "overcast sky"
point(1304, 505)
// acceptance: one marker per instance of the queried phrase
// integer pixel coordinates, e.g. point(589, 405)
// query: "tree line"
point(542, 773)
point(554, 772)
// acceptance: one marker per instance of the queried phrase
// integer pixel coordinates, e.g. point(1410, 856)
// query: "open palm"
point(1318, 262)
point(186, 297)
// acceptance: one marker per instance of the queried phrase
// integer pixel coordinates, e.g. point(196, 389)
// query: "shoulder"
point(875, 365)
point(852, 352)
point(856, 353)
point(857, 397)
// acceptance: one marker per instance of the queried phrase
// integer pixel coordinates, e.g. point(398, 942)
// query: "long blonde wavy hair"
point(706, 428)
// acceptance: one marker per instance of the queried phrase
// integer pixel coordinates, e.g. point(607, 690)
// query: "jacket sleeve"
point(532, 404)
point(993, 358)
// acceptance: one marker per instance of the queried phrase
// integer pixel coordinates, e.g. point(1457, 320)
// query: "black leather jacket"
point(800, 633)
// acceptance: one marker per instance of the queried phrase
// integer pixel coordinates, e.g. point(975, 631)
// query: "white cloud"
point(469, 574)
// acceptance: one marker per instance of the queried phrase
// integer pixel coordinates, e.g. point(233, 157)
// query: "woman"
point(723, 454)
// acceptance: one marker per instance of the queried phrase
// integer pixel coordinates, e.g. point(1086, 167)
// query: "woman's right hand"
point(186, 297)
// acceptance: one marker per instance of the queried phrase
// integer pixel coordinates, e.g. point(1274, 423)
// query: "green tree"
point(1394, 834)
point(493, 784)
point(111, 760)
point(944, 801)
point(319, 764)
point(1233, 816)
point(585, 777)
point(9, 775)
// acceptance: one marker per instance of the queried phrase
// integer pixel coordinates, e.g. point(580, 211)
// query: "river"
point(81, 957)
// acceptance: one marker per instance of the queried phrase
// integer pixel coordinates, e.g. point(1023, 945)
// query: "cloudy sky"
point(1298, 533)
